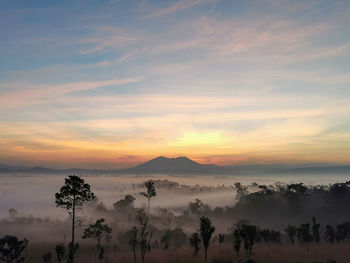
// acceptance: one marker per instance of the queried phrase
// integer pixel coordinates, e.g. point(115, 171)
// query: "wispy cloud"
point(177, 6)
point(42, 93)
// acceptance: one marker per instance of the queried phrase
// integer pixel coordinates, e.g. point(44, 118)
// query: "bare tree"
point(151, 192)
point(72, 196)
point(144, 236)
point(133, 241)
point(315, 230)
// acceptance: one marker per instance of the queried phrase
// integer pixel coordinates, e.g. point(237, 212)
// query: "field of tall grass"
point(218, 253)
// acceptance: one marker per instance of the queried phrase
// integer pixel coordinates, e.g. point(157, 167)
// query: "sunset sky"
point(109, 84)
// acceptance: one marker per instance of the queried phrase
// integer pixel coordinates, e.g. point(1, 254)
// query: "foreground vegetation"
point(282, 223)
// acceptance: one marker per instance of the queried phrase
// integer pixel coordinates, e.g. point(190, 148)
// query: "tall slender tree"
point(133, 241)
point(151, 192)
point(72, 196)
point(315, 230)
point(144, 235)
point(207, 230)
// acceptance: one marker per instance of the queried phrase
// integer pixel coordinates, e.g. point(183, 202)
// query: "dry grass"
point(263, 253)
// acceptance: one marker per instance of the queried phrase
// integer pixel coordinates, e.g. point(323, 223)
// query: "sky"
point(113, 83)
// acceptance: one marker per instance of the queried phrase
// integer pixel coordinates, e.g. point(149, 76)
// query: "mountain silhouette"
point(186, 166)
point(163, 164)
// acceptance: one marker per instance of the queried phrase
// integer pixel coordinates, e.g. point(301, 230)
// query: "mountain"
point(179, 165)
point(184, 165)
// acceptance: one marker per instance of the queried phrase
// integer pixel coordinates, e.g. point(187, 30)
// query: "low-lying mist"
point(271, 202)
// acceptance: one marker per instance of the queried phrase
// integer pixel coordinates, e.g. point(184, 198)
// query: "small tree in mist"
point(133, 241)
point(72, 196)
point(304, 235)
point(207, 230)
point(315, 230)
point(125, 204)
point(151, 192)
point(195, 242)
point(60, 252)
point(241, 190)
point(329, 234)
point(144, 236)
point(237, 239)
point(248, 233)
point(291, 232)
point(98, 232)
point(11, 249)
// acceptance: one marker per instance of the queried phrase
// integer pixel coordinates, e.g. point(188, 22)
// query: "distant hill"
point(184, 165)
point(173, 165)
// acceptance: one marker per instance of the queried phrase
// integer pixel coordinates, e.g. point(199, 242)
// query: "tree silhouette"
point(291, 231)
point(248, 233)
point(221, 238)
point(304, 233)
point(315, 230)
point(60, 252)
point(72, 196)
point(173, 238)
point(144, 236)
point(11, 249)
point(237, 239)
point(133, 241)
point(125, 204)
point(207, 230)
point(195, 242)
point(329, 234)
point(151, 192)
point(98, 231)
point(241, 190)
point(343, 231)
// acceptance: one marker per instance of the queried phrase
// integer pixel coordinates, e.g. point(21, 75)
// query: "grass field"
point(263, 253)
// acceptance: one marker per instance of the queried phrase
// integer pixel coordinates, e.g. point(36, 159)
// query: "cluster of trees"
point(304, 233)
point(340, 233)
point(278, 203)
point(75, 193)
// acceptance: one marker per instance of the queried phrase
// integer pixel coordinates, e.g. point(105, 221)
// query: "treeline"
point(292, 203)
point(132, 229)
